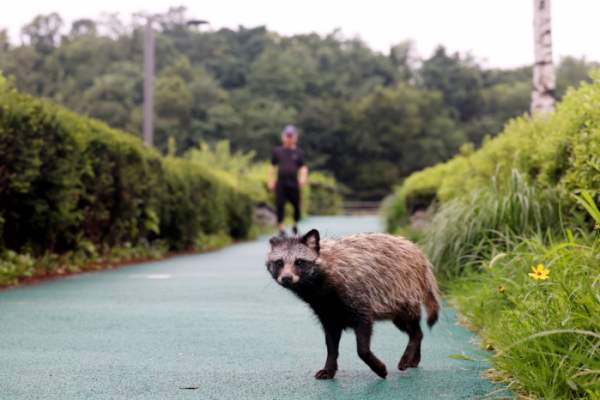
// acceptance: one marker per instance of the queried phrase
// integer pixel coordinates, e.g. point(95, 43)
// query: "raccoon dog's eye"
point(279, 263)
point(299, 263)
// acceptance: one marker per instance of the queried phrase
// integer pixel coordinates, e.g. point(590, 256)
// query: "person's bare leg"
point(282, 226)
point(295, 199)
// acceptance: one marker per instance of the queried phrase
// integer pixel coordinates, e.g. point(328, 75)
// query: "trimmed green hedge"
point(197, 202)
point(67, 179)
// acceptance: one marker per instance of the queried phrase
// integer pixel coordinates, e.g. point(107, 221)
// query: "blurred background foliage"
point(361, 114)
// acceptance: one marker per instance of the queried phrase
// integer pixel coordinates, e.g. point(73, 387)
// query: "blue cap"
point(289, 130)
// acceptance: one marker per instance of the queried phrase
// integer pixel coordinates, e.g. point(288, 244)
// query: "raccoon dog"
point(354, 281)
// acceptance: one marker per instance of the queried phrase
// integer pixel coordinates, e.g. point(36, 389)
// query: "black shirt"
point(289, 162)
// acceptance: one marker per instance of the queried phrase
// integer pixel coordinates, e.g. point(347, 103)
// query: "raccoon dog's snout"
point(287, 276)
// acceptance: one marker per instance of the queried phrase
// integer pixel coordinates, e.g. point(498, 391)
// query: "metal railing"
point(356, 206)
point(360, 207)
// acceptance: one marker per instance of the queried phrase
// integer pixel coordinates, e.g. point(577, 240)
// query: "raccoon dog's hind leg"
point(364, 330)
point(410, 324)
point(333, 334)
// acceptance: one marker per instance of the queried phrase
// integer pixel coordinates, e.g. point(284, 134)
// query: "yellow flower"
point(540, 272)
point(501, 289)
point(597, 226)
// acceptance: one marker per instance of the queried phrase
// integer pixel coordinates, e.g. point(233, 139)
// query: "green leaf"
point(571, 384)
point(589, 204)
point(570, 235)
point(461, 356)
point(558, 247)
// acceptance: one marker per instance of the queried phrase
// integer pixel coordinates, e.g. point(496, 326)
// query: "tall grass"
point(465, 231)
point(546, 334)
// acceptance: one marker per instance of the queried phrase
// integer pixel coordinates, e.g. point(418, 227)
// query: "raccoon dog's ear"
point(274, 241)
point(311, 240)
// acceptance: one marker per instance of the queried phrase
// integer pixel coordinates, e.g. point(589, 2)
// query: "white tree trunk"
point(544, 80)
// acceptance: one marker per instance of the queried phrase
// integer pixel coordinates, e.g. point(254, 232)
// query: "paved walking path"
point(214, 320)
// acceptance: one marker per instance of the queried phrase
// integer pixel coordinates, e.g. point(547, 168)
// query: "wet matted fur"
point(353, 281)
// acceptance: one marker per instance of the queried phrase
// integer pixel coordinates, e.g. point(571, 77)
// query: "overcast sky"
point(499, 32)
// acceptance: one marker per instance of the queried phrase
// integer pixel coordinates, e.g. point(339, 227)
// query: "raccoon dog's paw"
point(408, 362)
point(325, 374)
point(382, 371)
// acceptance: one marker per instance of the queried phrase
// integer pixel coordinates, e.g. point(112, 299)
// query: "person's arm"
point(303, 169)
point(271, 184)
point(303, 175)
point(274, 161)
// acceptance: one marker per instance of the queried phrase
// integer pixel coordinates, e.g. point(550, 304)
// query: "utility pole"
point(148, 83)
point(544, 79)
point(149, 78)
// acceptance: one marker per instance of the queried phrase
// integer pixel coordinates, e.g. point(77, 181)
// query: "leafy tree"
point(572, 71)
point(172, 106)
point(275, 75)
point(459, 80)
point(262, 123)
point(83, 27)
point(403, 125)
point(115, 94)
point(43, 32)
point(404, 58)
point(320, 123)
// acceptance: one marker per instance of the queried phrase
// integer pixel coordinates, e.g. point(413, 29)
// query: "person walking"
point(289, 159)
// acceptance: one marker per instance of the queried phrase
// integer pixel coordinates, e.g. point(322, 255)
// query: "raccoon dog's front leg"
point(363, 330)
point(332, 339)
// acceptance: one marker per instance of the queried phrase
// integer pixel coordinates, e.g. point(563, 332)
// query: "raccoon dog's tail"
point(432, 298)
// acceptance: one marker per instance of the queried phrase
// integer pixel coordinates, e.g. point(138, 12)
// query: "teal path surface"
point(214, 320)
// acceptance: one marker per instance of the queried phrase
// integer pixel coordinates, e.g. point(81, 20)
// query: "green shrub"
point(14, 266)
point(200, 201)
point(583, 126)
point(122, 185)
point(237, 166)
point(393, 210)
point(67, 177)
point(40, 174)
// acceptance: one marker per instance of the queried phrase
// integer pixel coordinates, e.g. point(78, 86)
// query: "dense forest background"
point(368, 118)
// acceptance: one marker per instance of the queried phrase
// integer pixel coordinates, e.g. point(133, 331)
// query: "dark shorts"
point(291, 193)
